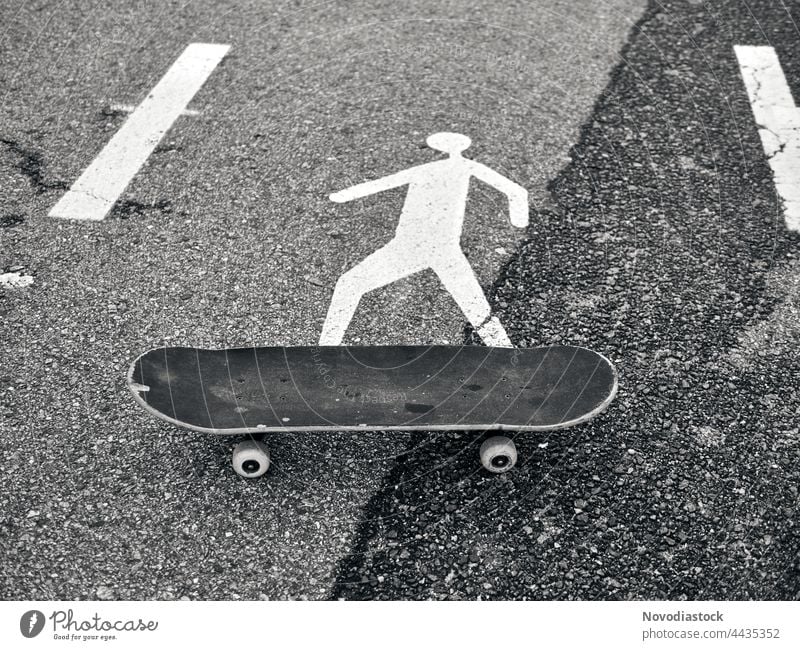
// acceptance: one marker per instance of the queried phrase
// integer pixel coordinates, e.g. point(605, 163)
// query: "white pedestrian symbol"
point(428, 236)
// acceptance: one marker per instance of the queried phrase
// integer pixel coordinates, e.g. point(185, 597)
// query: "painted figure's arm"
point(372, 187)
point(517, 195)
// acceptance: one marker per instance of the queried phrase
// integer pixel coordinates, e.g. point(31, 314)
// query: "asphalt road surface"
point(657, 238)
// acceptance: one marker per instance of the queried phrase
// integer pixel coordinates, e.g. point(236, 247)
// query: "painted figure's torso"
point(433, 212)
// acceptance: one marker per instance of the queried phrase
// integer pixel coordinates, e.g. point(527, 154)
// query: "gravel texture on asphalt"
point(226, 237)
point(664, 248)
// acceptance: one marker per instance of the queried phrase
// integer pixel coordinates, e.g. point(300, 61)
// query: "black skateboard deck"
point(270, 389)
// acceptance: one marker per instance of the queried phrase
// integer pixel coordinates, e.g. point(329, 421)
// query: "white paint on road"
point(778, 121)
point(428, 236)
point(129, 108)
point(93, 195)
point(15, 280)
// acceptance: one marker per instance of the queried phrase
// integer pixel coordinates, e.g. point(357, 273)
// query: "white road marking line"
point(15, 280)
point(92, 196)
point(129, 108)
point(428, 236)
point(778, 121)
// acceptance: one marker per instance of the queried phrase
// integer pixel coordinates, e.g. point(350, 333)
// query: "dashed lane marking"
point(778, 121)
point(129, 108)
point(92, 196)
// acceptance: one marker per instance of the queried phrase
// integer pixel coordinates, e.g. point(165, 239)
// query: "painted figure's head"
point(452, 143)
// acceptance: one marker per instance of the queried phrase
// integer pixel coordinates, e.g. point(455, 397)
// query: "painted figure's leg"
point(459, 279)
point(383, 267)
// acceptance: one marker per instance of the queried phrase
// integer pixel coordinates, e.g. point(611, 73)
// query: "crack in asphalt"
point(11, 220)
point(31, 164)
point(127, 208)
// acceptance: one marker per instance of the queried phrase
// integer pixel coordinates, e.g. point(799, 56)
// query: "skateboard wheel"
point(498, 454)
point(250, 458)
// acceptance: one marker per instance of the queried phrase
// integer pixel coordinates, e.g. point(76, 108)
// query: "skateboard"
point(261, 390)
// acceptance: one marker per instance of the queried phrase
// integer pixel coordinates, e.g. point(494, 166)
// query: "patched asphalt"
point(664, 248)
point(226, 237)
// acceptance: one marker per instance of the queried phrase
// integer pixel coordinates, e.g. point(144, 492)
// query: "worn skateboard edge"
point(136, 389)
